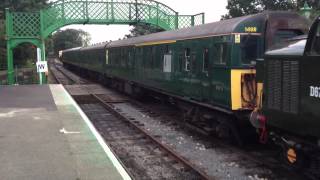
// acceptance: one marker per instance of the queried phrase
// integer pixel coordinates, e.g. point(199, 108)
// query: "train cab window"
point(205, 66)
point(187, 59)
point(315, 47)
point(284, 34)
point(221, 54)
point(249, 49)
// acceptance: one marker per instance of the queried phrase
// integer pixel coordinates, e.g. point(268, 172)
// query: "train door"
point(205, 68)
point(220, 72)
point(130, 59)
point(191, 68)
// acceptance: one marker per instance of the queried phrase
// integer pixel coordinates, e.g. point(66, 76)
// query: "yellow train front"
point(207, 70)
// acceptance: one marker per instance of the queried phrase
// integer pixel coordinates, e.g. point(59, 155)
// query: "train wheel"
point(226, 129)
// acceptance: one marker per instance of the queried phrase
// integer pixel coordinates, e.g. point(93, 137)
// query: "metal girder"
point(34, 27)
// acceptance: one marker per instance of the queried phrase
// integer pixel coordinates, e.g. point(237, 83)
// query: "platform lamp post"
point(306, 10)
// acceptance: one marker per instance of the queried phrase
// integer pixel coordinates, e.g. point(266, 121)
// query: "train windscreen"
point(283, 34)
point(315, 48)
point(249, 49)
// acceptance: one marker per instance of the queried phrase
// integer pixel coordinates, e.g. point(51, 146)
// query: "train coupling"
point(259, 121)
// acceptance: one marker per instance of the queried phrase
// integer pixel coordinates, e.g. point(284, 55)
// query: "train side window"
point(187, 59)
point(180, 61)
point(167, 49)
point(221, 54)
point(205, 66)
point(167, 63)
point(107, 56)
point(193, 63)
point(153, 57)
point(315, 48)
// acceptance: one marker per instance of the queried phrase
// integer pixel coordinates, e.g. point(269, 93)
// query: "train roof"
point(211, 29)
point(71, 49)
point(224, 27)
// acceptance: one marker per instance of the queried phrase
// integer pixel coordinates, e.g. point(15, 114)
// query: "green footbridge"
point(35, 27)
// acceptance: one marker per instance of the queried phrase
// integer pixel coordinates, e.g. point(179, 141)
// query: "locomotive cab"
point(253, 42)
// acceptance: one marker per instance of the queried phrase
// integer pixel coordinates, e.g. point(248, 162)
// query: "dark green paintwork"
point(307, 121)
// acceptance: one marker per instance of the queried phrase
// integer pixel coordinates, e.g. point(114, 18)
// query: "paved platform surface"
point(44, 135)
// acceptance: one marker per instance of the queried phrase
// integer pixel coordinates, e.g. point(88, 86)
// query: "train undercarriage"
point(210, 120)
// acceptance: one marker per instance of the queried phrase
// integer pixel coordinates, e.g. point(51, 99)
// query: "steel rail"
point(188, 164)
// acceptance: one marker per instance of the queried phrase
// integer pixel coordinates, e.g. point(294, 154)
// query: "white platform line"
point(103, 144)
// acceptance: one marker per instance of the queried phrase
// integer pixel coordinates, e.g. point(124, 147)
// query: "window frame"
point(315, 37)
point(222, 58)
point(205, 60)
point(187, 59)
point(107, 56)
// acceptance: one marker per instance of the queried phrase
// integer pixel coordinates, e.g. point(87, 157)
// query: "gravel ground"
point(215, 159)
point(143, 159)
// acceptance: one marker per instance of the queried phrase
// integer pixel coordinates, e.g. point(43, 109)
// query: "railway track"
point(144, 156)
point(58, 74)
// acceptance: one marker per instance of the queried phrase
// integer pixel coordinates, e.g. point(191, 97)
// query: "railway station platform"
point(45, 135)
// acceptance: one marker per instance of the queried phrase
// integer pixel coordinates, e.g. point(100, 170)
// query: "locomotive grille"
point(283, 85)
point(274, 84)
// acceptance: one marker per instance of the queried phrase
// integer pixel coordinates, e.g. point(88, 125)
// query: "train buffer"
point(45, 135)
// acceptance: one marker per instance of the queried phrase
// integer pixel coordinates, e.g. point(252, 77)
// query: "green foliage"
point(23, 53)
point(22, 5)
point(69, 38)
point(278, 5)
point(239, 8)
point(143, 29)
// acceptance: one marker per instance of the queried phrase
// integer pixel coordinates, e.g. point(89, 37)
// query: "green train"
point(209, 71)
point(291, 106)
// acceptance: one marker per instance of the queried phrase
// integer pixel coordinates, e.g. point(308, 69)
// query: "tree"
point(70, 38)
point(143, 29)
point(239, 8)
point(278, 5)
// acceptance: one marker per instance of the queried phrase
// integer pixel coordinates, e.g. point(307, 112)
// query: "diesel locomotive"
point(291, 105)
point(209, 71)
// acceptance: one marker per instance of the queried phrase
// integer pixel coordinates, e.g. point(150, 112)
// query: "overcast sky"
point(213, 10)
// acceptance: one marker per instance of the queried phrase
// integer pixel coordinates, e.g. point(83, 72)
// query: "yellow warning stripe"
point(156, 43)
